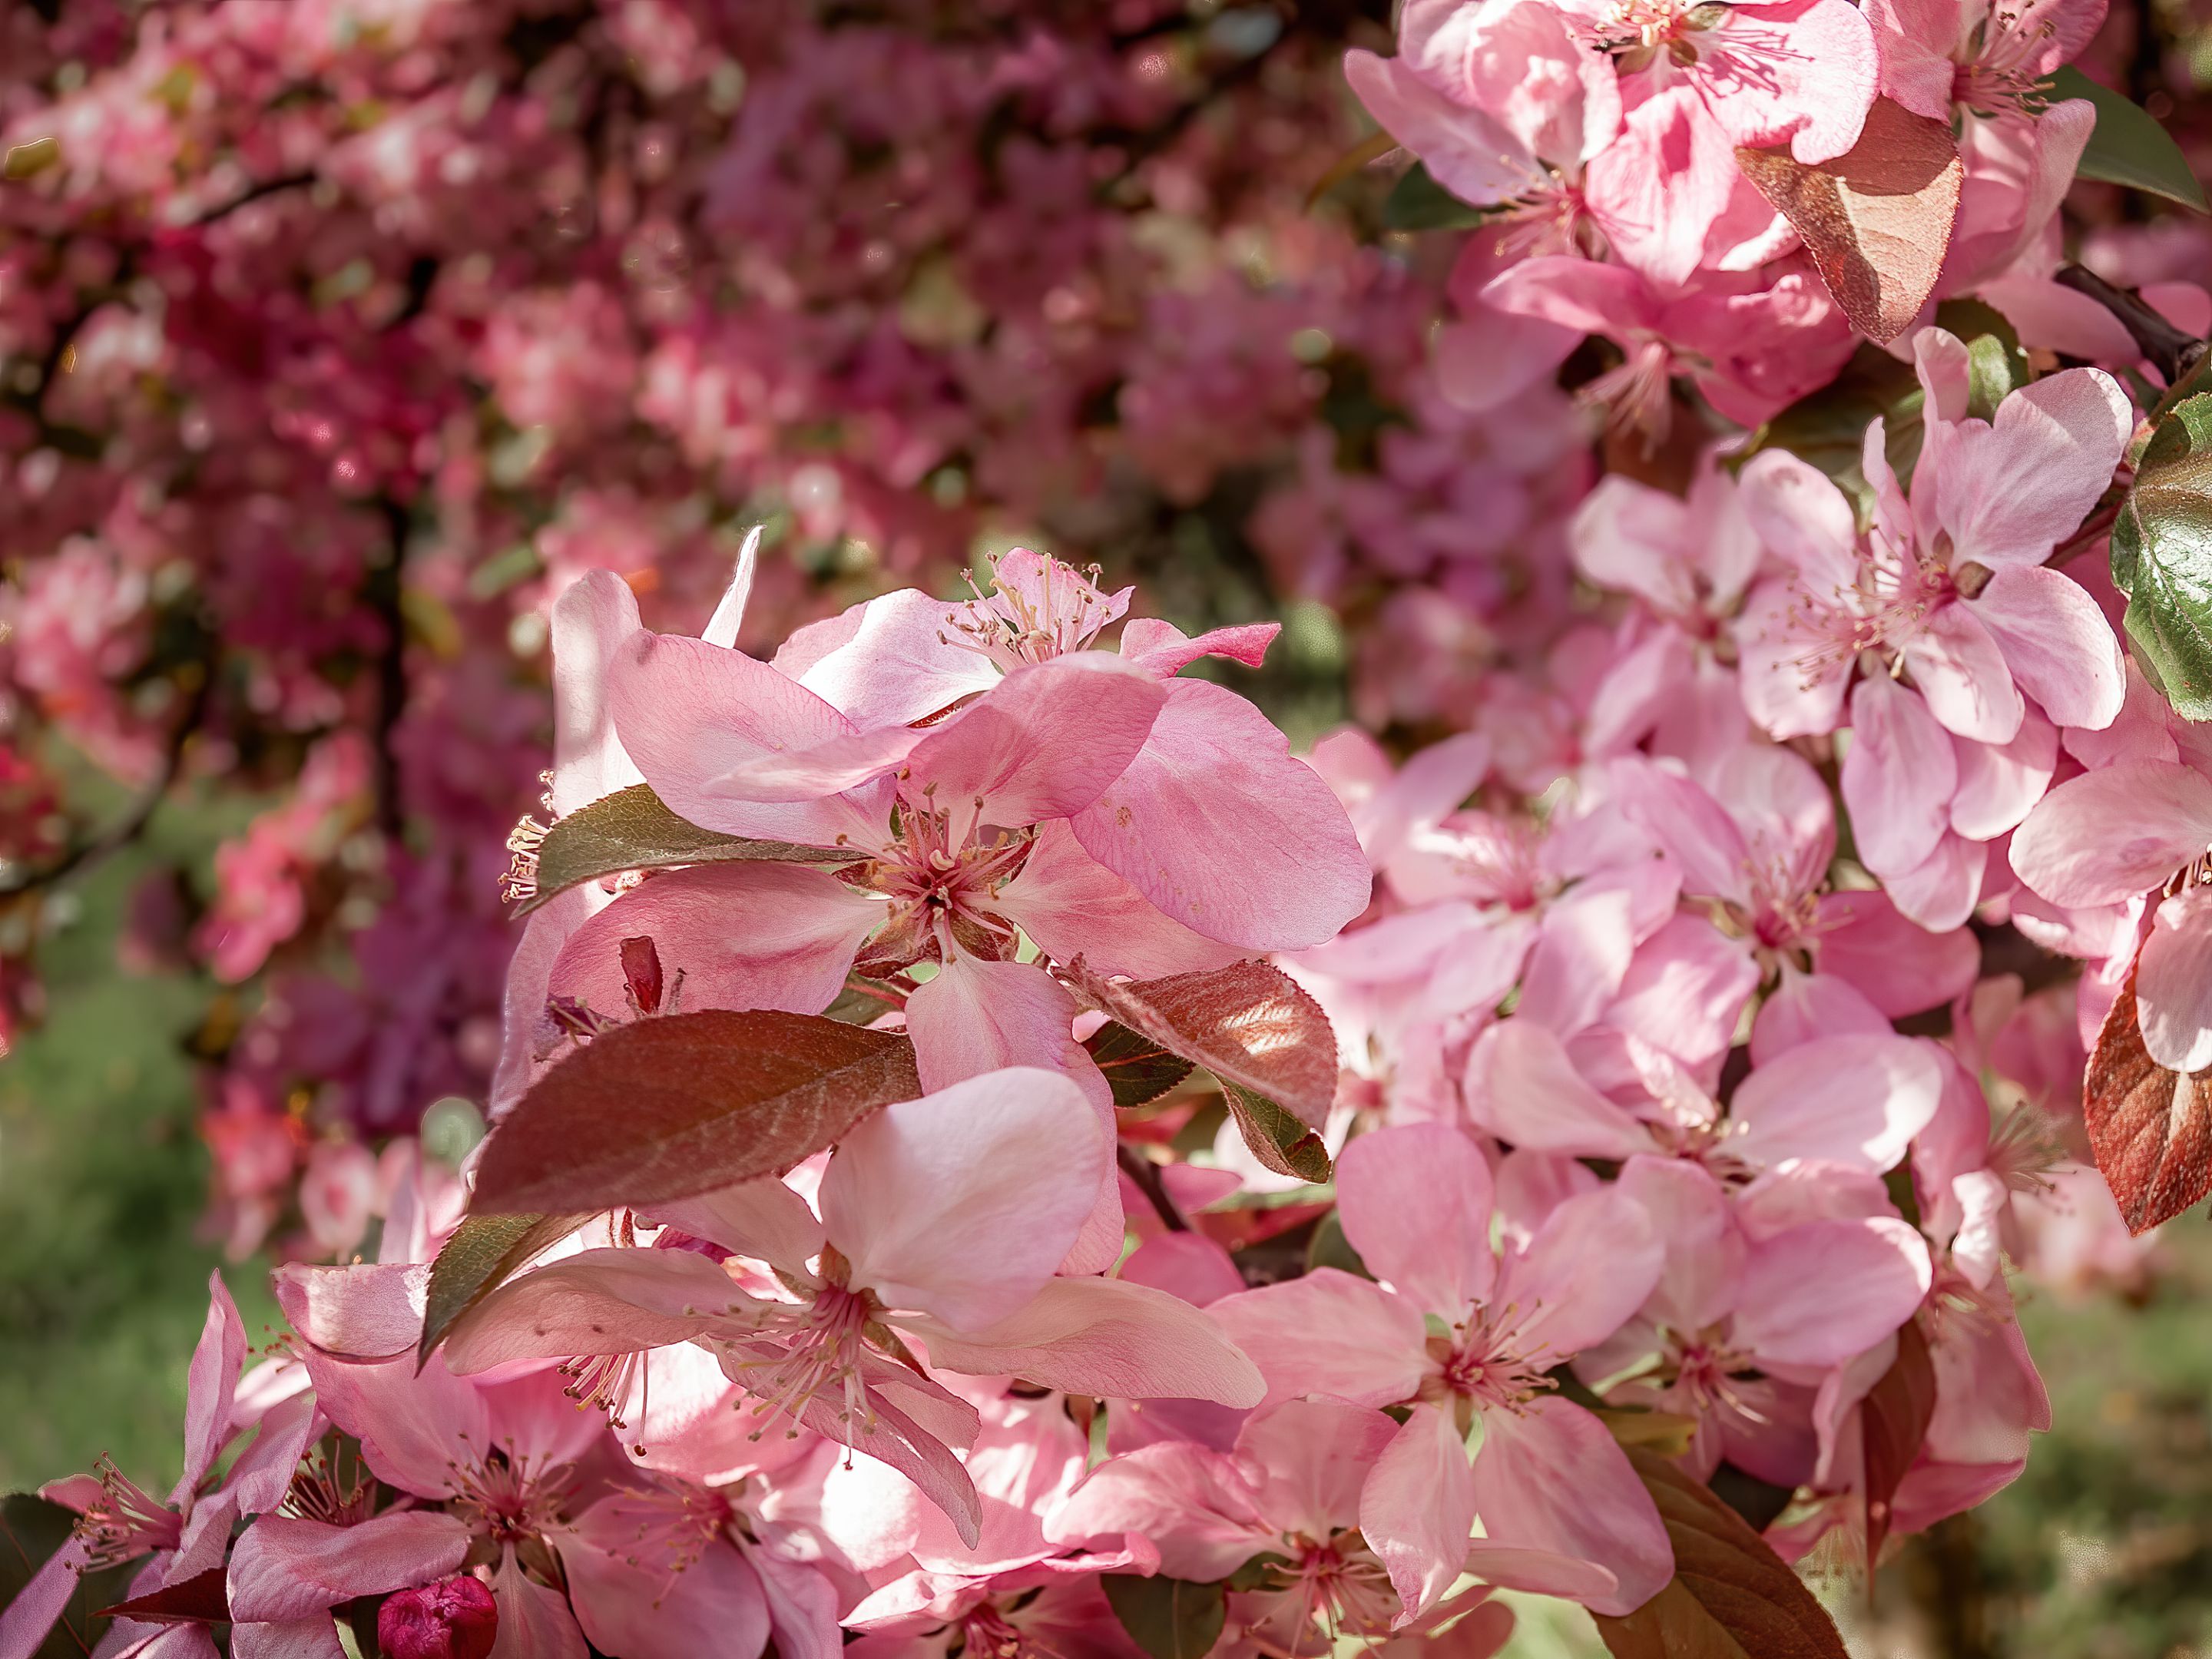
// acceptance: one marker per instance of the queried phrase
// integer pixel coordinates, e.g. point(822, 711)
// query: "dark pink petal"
point(209, 1385)
point(368, 1311)
point(1465, 149)
point(1898, 777)
point(632, 1595)
point(1902, 968)
point(2009, 492)
point(1073, 906)
point(1222, 830)
point(1163, 649)
point(1329, 1333)
point(1963, 675)
point(1819, 1294)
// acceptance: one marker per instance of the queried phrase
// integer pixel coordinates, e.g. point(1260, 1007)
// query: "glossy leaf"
point(1996, 366)
point(666, 1108)
point(1249, 1023)
point(1279, 1140)
point(1136, 1069)
point(484, 1252)
point(1168, 1618)
point(2162, 558)
point(1827, 429)
point(2150, 1130)
point(1731, 1597)
point(32, 1528)
point(1893, 1421)
point(1877, 221)
point(633, 830)
point(2130, 146)
point(1417, 202)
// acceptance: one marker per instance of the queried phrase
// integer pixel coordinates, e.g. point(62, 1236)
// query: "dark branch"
point(2173, 352)
point(1146, 1174)
point(385, 584)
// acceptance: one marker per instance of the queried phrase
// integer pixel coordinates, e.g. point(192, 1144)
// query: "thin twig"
point(1146, 1174)
point(2174, 352)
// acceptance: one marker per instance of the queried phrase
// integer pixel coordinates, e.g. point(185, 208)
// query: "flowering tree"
point(987, 1146)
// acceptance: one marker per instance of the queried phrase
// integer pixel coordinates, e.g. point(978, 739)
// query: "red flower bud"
point(453, 1618)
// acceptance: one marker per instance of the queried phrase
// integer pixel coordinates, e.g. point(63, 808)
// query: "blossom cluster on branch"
point(989, 1148)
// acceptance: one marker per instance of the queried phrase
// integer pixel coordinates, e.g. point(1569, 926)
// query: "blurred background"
point(338, 335)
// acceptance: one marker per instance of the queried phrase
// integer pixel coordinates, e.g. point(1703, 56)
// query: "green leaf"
point(1329, 1248)
point(1279, 1140)
point(2162, 558)
point(682, 1103)
point(1996, 366)
point(484, 1252)
point(1731, 1596)
point(1827, 429)
point(1168, 1618)
point(634, 830)
point(1138, 1069)
point(2129, 146)
point(1417, 202)
point(31, 1529)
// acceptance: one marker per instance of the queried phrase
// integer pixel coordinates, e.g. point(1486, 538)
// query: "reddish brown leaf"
point(1248, 1024)
point(2150, 1130)
point(203, 1599)
point(1877, 221)
point(1731, 1597)
point(666, 1108)
point(1893, 1421)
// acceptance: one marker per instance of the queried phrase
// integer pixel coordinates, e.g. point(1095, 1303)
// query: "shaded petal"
point(1522, 1087)
point(1896, 965)
point(1073, 906)
point(2111, 834)
point(1329, 1333)
point(1817, 1294)
point(210, 1383)
point(2056, 642)
point(1106, 1337)
point(2173, 982)
point(1898, 777)
point(1850, 1100)
point(593, 619)
point(1590, 1266)
point(1962, 676)
point(367, 1311)
point(763, 1219)
point(1416, 1509)
point(632, 1603)
point(622, 1300)
point(1308, 1459)
point(2012, 490)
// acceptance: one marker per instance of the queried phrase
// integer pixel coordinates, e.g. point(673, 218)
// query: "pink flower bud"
point(453, 1618)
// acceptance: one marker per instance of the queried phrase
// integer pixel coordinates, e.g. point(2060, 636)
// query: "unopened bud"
point(453, 1618)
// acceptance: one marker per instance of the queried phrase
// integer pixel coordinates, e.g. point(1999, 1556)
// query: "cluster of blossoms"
point(340, 337)
point(1634, 1074)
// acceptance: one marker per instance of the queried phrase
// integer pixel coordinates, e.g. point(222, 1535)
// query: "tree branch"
point(2174, 352)
point(1146, 1174)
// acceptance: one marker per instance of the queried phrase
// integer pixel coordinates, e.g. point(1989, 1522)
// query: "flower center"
point(124, 1521)
point(509, 1497)
point(1480, 1367)
point(940, 891)
point(1056, 610)
point(809, 1351)
point(1336, 1587)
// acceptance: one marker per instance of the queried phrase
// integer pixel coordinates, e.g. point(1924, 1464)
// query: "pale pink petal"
point(1817, 1294)
point(1796, 659)
point(1106, 1337)
point(1416, 1509)
point(961, 1204)
point(1489, 357)
point(1218, 826)
point(763, 1219)
point(729, 616)
point(367, 1311)
point(1072, 906)
point(593, 619)
point(534, 1620)
point(747, 935)
point(2011, 491)
point(1329, 1333)
point(1850, 1100)
point(2058, 319)
point(1549, 1477)
point(891, 661)
point(802, 1603)
point(1803, 519)
point(2173, 982)
point(525, 1032)
point(1162, 648)
point(1522, 1087)
point(2000, 785)
point(1043, 742)
point(1308, 1459)
point(1683, 993)
point(1941, 891)
point(210, 1383)
point(630, 1600)
point(1689, 1212)
point(26, 1619)
point(1689, 825)
point(1194, 1506)
point(1588, 1268)
point(1657, 192)
point(1901, 968)
point(1802, 1006)
point(1962, 676)
point(1584, 945)
point(1897, 777)
point(1466, 152)
point(1581, 294)
point(975, 1015)
point(1804, 70)
point(2111, 834)
point(1636, 539)
point(2056, 642)
point(1188, 1265)
point(283, 1567)
point(1415, 1203)
point(1539, 1572)
point(612, 1301)
point(312, 1638)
